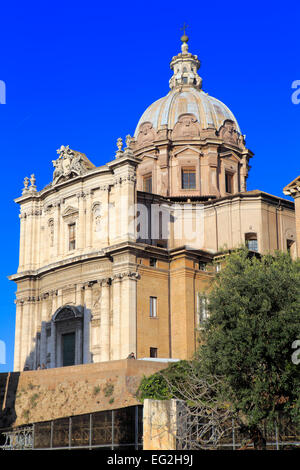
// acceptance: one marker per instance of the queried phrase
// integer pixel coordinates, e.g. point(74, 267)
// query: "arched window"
point(51, 232)
point(251, 241)
point(97, 217)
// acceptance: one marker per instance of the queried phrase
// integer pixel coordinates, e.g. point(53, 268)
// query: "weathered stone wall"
point(160, 424)
point(42, 395)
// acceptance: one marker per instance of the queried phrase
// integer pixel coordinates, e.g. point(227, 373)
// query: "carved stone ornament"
point(69, 163)
point(229, 133)
point(186, 127)
point(146, 133)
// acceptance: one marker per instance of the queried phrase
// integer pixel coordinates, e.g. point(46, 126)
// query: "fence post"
point(233, 434)
point(276, 434)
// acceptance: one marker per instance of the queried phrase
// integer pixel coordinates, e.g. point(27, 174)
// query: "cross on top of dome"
point(185, 66)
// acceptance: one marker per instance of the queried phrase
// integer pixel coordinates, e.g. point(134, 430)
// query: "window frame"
point(146, 179)
point(251, 237)
point(188, 171)
point(153, 307)
point(72, 236)
point(229, 177)
point(153, 350)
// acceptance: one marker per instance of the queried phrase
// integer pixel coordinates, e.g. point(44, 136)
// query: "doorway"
point(68, 349)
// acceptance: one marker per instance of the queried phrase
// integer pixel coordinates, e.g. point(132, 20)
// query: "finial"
point(119, 152)
point(32, 182)
point(120, 144)
point(128, 140)
point(26, 183)
point(184, 38)
point(185, 66)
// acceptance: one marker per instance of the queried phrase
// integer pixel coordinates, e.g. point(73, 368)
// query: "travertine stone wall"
point(160, 424)
point(43, 395)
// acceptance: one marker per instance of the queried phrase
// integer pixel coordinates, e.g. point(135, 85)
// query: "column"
point(128, 319)
point(86, 321)
point(24, 334)
point(116, 319)
point(56, 229)
point(104, 320)
point(53, 331)
point(30, 337)
point(81, 218)
point(128, 229)
point(88, 219)
point(43, 331)
point(61, 229)
point(28, 239)
point(53, 345)
point(78, 343)
point(22, 241)
point(18, 331)
point(105, 215)
point(36, 326)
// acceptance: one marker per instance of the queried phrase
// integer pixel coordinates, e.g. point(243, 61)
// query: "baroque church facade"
point(118, 258)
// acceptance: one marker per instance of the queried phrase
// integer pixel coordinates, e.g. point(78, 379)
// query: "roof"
point(209, 112)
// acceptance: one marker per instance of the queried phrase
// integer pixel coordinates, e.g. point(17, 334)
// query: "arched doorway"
point(67, 325)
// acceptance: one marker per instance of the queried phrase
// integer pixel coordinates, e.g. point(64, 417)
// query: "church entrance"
point(67, 331)
point(68, 349)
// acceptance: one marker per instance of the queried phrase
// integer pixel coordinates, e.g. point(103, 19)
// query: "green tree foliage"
point(244, 360)
point(254, 319)
point(157, 386)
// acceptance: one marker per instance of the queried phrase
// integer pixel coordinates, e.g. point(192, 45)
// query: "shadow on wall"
point(8, 388)
point(63, 341)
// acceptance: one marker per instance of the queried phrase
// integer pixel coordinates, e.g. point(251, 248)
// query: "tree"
point(205, 417)
point(254, 319)
point(243, 367)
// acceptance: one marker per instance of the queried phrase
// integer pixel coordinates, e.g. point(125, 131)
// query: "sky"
point(82, 74)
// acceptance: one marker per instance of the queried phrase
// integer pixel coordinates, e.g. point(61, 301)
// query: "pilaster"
point(105, 320)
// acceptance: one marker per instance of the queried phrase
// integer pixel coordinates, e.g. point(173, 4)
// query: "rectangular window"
point(153, 262)
point(252, 245)
point(153, 307)
point(72, 237)
point(202, 309)
point(148, 184)
point(202, 266)
point(251, 241)
point(153, 352)
point(188, 178)
point(228, 182)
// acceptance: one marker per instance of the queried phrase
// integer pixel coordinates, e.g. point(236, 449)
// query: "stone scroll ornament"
point(69, 163)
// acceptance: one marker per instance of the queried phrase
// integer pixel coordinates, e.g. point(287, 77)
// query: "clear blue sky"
point(82, 73)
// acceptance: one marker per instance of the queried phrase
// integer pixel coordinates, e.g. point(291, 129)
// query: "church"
point(118, 259)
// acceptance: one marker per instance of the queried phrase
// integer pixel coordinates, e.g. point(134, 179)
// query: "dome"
point(209, 112)
point(186, 97)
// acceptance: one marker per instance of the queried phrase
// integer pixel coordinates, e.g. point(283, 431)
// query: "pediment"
point(188, 148)
point(70, 211)
point(230, 155)
point(149, 156)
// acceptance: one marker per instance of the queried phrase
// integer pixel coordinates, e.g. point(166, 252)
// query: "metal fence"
point(112, 429)
point(283, 435)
